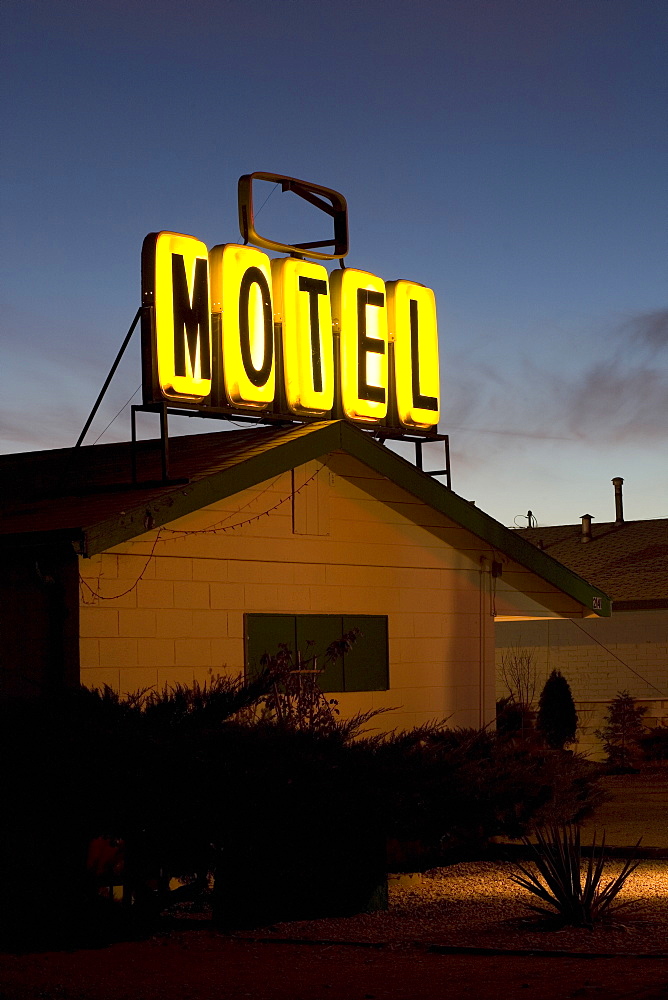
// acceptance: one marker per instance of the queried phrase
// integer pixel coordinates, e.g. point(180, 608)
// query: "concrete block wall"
point(599, 658)
point(169, 606)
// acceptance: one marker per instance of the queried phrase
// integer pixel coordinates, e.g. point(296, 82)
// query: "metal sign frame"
point(327, 200)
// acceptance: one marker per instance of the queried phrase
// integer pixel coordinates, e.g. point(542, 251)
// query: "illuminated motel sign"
point(228, 330)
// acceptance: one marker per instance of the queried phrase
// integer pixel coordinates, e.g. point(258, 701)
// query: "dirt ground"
point(198, 965)
point(201, 964)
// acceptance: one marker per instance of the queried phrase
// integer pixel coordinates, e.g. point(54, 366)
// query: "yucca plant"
point(558, 882)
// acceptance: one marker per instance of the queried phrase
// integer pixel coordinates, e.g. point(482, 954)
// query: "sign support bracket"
point(419, 442)
point(111, 374)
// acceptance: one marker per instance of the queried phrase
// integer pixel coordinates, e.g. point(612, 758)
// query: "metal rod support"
point(133, 448)
point(111, 374)
point(164, 440)
point(445, 438)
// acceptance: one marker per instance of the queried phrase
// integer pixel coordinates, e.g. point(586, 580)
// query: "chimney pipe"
point(586, 527)
point(619, 507)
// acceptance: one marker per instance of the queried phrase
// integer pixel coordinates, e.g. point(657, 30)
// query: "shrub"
point(186, 781)
point(557, 719)
point(294, 698)
point(282, 803)
point(514, 720)
point(87, 764)
point(622, 732)
point(454, 790)
point(654, 743)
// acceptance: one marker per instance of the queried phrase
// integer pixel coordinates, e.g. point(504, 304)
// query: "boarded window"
point(364, 668)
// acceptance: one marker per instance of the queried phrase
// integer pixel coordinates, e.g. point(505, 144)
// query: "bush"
point(184, 782)
point(518, 673)
point(87, 765)
point(514, 720)
point(622, 732)
point(290, 816)
point(557, 719)
point(454, 790)
point(654, 743)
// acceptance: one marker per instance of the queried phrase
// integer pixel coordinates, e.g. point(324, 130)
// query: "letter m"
point(191, 317)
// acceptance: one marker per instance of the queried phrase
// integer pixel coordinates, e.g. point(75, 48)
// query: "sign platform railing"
point(166, 409)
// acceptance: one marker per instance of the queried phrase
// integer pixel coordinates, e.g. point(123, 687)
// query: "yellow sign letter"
point(180, 269)
point(302, 305)
point(412, 320)
point(241, 292)
point(360, 313)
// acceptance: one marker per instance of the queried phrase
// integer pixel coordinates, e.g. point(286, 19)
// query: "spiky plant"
point(557, 856)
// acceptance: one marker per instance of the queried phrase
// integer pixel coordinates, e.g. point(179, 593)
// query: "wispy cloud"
point(649, 329)
point(621, 397)
point(624, 396)
point(40, 430)
point(614, 402)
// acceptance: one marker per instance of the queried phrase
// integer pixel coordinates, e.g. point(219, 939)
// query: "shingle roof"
point(73, 488)
point(86, 495)
point(629, 561)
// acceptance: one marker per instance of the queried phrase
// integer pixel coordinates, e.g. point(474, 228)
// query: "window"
point(364, 668)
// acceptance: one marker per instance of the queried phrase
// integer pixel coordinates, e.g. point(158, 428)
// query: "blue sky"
point(510, 154)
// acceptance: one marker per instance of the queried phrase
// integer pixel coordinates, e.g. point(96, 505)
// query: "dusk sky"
point(510, 154)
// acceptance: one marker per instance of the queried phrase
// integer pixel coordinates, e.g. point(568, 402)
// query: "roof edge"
point(308, 442)
point(302, 445)
point(472, 518)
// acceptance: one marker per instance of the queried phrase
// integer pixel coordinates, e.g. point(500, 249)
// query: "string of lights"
point(222, 527)
point(219, 527)
point(97, 596)
point(216, 524)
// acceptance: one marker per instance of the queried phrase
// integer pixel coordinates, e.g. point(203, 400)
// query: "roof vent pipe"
point(586, 527)
point(619, 507)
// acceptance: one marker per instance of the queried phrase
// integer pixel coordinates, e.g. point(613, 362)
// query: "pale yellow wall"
point(599, 658)
point(347, 544)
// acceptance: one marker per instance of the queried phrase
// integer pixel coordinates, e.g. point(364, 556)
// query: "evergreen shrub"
point(557, 719)
point(622, 733)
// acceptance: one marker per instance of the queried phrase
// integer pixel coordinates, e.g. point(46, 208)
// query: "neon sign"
point(228, 330)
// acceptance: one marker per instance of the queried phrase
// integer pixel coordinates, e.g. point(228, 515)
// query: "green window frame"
point(365, 667)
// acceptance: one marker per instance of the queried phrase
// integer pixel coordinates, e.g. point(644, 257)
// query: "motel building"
point(151, 563)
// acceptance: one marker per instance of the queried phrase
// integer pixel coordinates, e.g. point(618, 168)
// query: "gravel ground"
point(475, 905)
point(469, 905)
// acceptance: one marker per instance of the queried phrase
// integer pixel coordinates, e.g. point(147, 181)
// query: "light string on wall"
point(96, 596)
point(219, 527)
point(215, 527)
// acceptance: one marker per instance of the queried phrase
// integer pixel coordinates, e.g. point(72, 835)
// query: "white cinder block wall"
point(169, 606)
point(599, 658)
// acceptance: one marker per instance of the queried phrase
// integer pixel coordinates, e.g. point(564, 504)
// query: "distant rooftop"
point(628, 561)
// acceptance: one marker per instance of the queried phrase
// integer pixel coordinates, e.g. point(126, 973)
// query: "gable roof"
point(86, 495)
point(629, 561)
